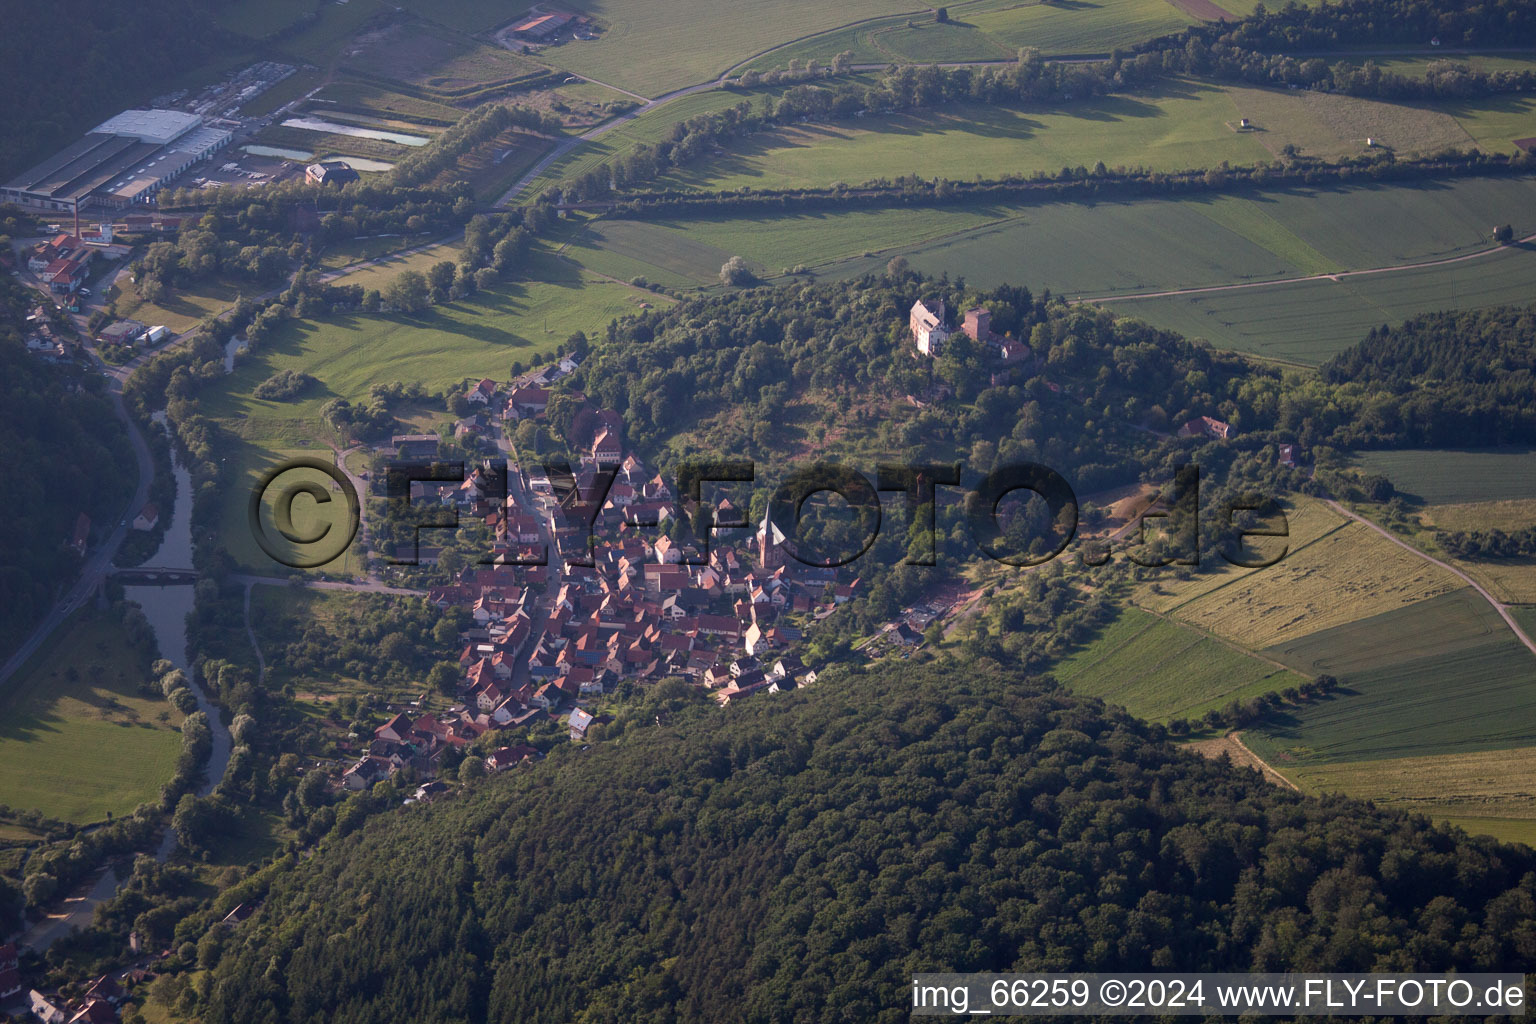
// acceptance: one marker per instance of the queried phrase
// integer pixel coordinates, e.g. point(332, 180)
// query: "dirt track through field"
point(1233, 746)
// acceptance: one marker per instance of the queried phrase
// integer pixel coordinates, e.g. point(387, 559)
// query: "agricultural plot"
point(1470, 697)
point(1308, 322)
point(1308, 522)
point(1494, 122)
point(1440, 477)
point(430, 57)
point(1455, 621)
point(80, 740)
point(1159, 670)
point(1351, 573)
point(1490, 792)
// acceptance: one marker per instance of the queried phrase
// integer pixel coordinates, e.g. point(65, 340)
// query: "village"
point(627, 594)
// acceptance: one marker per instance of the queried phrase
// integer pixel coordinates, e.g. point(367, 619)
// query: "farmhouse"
point(927, 324)
point(1206, 426)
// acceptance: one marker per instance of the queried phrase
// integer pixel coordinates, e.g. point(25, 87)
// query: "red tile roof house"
point(482, 392)
point(1206, 426)
point(509, 757)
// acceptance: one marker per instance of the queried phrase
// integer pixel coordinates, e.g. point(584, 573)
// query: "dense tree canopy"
point(799, 858)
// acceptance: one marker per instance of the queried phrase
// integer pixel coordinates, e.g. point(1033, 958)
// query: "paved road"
point(1503, 611)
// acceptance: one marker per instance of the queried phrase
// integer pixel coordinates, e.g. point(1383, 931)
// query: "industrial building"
point(124, 160)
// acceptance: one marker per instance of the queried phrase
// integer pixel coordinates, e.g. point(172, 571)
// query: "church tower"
point(770, 544)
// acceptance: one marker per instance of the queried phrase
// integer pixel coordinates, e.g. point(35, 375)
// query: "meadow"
point(474, 337)
point(1159, 670)
point(1181, 125)
point(80, 740)
point(252, 461)
point(653, 46)
point(381, 274)
point(181, 309)
point(1080, 26)
point(988, 29)
point(1102, 249)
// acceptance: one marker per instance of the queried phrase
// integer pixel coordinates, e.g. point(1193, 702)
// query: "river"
point(167, 609)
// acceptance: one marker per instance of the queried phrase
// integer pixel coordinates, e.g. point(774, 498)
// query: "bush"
point(283, 386)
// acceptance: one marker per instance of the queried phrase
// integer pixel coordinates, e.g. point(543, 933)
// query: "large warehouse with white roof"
point(124, 160)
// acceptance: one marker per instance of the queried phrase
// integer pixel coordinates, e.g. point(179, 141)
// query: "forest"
point(798, 859)
point(69, 455)
point(1462, 378)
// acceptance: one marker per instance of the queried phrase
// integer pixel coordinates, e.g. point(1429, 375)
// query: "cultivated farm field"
point(1159, 670)
point(1472, 696)
point(1443, 477)
point(79, 740)
point(1307, 522)
point(1491, 792)
point(1350, 573)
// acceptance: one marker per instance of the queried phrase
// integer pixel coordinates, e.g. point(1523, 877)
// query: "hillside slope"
point(798, 858)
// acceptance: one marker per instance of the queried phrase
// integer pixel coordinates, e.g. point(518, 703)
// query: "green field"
point(252, 461)
point(1179, 125)
point(654, 46)
point(479, 336)
point(649, 126)
point(80, 740)
point(1309, 322)
point(988, 29)
point(1183, 124)
point(1102, 249)
point(1080, 26)
point(1441, 477)
point(476, 337)
point(1443, 676)
point(1159, 670)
